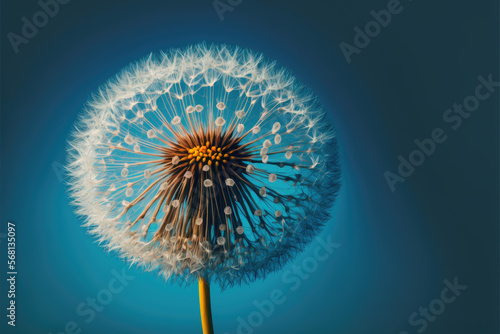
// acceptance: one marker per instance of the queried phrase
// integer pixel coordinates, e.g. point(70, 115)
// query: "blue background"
point(396, 248)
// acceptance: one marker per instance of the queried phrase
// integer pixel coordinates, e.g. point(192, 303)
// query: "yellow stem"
point(205, 307)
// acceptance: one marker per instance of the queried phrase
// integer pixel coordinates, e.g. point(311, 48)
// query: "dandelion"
point(207, 164)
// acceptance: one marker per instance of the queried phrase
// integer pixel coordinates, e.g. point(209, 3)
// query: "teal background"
point(396, 248)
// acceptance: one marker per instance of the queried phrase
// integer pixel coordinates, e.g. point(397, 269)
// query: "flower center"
point(208, 154)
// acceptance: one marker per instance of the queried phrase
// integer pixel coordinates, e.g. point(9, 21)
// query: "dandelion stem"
point(205, 307)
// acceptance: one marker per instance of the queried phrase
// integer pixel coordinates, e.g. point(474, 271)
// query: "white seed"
point(220, 121)
point(221, 106)
point(188, 174)
point(288, 155)
point(137, 148)
point(221, 240)
point(263, 151)
point(124, 172)
point(250, 169)
point(169, 227)
point(163, 186)
point(262, 191)
point(207, 183)
point(228, 210)
point(222, 227)
point(199, 108)
point(175, 160)
point(151, 133)
point(277, 213)
point(258, 213)
point(240, 128)
point(229, 182)
point(175, 203)
point(240, 230)
point(272, 177)
point(190, 109)
point(256, 129)
point(129, 140)
point(206, 168)
point(276, 127)
point(240, 114)
point(265, 158)
point(112, 187)
point(125, 203)
point(206, 246)
point(267, 143)
point(147, 174)
point(129, 192)
point(277, 139)
point(176, 120)
point(199, 221)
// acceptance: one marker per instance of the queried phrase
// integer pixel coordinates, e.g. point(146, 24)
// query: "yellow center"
point(207, 154)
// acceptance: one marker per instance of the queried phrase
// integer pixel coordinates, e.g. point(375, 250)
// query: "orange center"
point(208, 154)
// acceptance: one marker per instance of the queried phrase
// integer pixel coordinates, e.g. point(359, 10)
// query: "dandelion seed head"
point(164, 173)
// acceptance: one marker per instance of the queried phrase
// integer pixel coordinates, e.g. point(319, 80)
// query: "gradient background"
point(396, 247)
